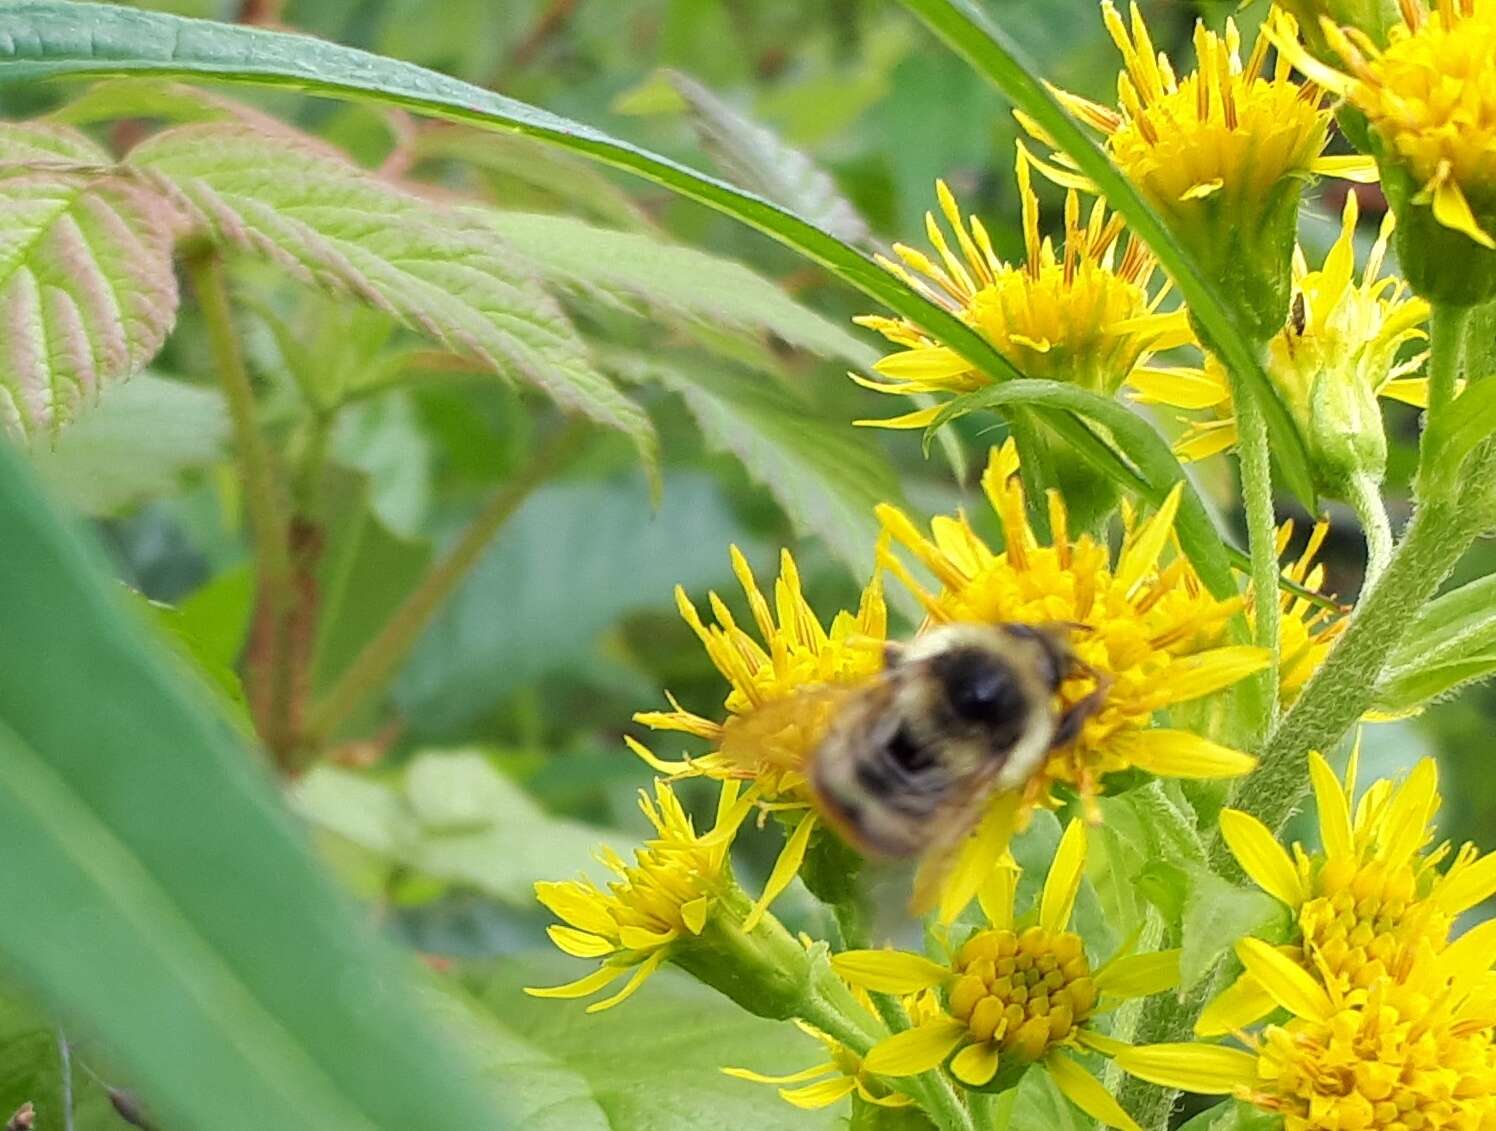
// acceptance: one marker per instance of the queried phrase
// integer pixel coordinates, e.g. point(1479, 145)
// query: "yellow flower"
point(835, 1078)
point(1334, 357)
point(767, 677)
point(1367, 905)
point(1429, 100)
point(1222, 154)
point(665, 898)
point(1014, 996)
point(1398, 1056)
point(1307, 629)
point(1087, 314)
point(1374, 17)
point(1147, 628)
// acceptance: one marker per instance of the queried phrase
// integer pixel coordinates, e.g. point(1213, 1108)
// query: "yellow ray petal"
point(1181, 388)
point(1180, 754)
point(1334, 807)
point(1194, 676)
point(1063, 882)
point(1404, 827)
point(1290, 985)
point(889, 971)
point(1086, 1092)
point(1209, 1070)
point(1240, 1004)
point(915, 1050)
point(1145, 547)
point(602, 976)
point(1206, 440)
point(976, 1064)
point(645, 969)
point(791, 1078)
point(1351, 167)
point(929, 363)
point(571, 901)
point(1408, 390)
point(815, 1096)
point(1262, 857)
point(1138, 975)
point(785, 869)
point(1453, 211)
point(1470, 957)
point(997, 893)
point(1463, 889)
point(919, 418)
point(579, 944)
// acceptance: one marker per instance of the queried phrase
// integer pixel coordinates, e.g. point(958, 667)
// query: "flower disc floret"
point(1086, 314)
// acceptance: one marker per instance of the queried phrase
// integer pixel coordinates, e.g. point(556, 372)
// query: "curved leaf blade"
point(157, 891)
point(61, 38)
point(973, 35)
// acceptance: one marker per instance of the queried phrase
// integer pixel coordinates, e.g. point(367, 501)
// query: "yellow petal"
point(602, 976)
point(791, 1078)
point(815, 1096)
point(1351, 167)
point(997, 893)
point(1289, 984)
point(638, 938)
point(645, 969)
point(1138, 975)
point(1209, 1070)
point(1463, 889)
point(1063, 882)
point(576, 904)
point(1086, 1092)
point(919, 418)
point(1240, 1004)
point(915, 1050)
point(1194, 676)
point(976, 1064)
point(785, 869)
point(1405, 825)
point(1144, 548)
point(1453, 211)
point(1181, 388)
point(580, 944)
point(928, 363)
point(974, 862)
point(693, 914)
point(1470, 957)
point(1334, 807)
point(1206, 440)
point(1180, 754)
point(1203, 189)
point(889, 971)
point(1262, 857)
point(1408, 390)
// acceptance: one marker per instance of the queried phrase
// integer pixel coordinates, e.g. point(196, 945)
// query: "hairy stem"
point(264, 501)
point(1366, 498)
point(383, 654)
point(1447, 328)
point(1262, 534)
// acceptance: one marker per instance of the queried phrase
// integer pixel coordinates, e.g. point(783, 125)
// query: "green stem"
point(1262, 534)
point(263, 496)
point(383, 654)
point(1447, 328)
point(1366, 498)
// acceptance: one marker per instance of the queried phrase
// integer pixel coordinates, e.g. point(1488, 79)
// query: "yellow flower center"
point(1027, 992)
point(1366, 921)
point(1431, 95)
point(1387, 1065)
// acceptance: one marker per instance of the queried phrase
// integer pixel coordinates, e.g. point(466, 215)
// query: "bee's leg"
point(1068, 728)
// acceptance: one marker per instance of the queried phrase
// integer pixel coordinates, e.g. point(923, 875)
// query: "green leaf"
point(652, 1064)
point(158, 897)
point(1453, 436)
point(634, 267)
point(1036, 1103)
point(1157, 469)
point(135, 444)
point(1234, 1115)
point(282, 195)
point(1452, 641)
point(1411, 689)
point(1216, 915)
point(41, 38)
point(755, 156)
point(86, 282)
point(972, 34)
point(537, 601)
point(826, 477)
point(451, 816)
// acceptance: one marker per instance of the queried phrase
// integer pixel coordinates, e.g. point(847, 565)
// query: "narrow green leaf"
point(85, 275)
point(1157, 469)
point(1450, 643)
point(156, 894)
point(1413, 688)
point(634, 267)
point(972, 34)
point(755, 156)
point(44, 38)
point(826, 477)
point(1454, 435)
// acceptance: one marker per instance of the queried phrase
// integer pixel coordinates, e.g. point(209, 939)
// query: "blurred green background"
point(568, 625)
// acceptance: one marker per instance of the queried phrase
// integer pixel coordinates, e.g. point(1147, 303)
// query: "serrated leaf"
point(678, 280)
point(754, 155)
point(134, 445)
point(329, 224)
point(826, 477)
point(87, 292)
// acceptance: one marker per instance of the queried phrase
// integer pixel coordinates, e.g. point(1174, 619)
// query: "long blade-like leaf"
point(46, 38)
point(155, 893)
point(973, 35)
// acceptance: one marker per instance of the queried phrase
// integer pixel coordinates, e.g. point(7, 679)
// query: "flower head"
point(1086, 314)
point(824, 1083)
point(1402, 1054)
point(1335, 355)
point(773, 724)
point(1368, 905)
point(657, 903)
point(1145, 628)
point(1429, 99)
point(1222, 153)
point(1015, 994)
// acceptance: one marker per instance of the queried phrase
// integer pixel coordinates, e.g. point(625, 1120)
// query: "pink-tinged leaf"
point(296, 202)
point(87, 292)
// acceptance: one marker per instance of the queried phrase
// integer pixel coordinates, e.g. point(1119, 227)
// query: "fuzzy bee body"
point(960, 713)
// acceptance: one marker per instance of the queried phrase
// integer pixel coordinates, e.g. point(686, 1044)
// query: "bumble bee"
point(902, 763)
